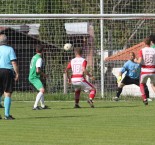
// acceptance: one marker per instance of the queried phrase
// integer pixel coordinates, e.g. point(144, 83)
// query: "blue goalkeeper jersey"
point(132, 69)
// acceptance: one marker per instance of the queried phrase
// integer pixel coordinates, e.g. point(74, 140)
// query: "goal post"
point(78, 16)
point(98, 40)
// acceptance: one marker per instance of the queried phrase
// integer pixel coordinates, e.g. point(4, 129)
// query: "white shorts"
point(83, 85)
point(144, 78)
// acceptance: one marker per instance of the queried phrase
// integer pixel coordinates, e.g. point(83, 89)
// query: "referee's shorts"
point(6, 80)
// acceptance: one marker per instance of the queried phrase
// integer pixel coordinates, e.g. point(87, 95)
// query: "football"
point(67, 46)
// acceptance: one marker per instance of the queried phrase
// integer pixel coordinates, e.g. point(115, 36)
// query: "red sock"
point(92, 94)
point(77, 96)
point(142, 91)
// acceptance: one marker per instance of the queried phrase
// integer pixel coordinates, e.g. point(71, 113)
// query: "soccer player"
point(35, 75)
point(8, 73)
point(147, 60)
point(78, 66)
point(132, 76)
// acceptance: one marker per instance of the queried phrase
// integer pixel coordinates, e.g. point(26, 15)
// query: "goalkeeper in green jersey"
point(132, 76)
point(35, 78)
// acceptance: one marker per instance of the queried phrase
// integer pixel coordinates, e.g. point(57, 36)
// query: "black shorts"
point(128, 81)
point(6, 81)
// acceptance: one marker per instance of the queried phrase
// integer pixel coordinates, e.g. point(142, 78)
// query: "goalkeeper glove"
point(119, 79)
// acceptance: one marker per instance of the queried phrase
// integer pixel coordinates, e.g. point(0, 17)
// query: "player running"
point(77, 79)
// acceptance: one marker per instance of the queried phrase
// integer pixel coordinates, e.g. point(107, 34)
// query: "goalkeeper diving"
point(132, 76)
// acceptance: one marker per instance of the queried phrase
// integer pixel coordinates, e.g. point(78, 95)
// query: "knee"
point(42, 90)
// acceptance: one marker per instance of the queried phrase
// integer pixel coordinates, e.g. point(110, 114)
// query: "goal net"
point(120, 35)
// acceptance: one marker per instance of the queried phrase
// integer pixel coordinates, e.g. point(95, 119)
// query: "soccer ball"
point(67, 46)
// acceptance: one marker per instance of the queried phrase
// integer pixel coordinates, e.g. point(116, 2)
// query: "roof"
point(17, 37)
point(124, 54)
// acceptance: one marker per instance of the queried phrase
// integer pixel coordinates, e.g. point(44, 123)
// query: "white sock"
point(42, 101)
point(38, 97)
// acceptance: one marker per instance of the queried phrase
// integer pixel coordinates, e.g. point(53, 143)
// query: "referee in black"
point(8, 74)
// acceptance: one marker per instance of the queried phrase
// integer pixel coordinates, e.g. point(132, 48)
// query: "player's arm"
point(38, 68)
point(123, 69)
point(139, 60)
point(39, 71)
point(13, 59)
point(15, 67)
point(119, 77)
point(67, 72)
point(85, 70)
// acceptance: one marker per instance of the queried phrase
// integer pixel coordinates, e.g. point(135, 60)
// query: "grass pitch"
point(109, 123)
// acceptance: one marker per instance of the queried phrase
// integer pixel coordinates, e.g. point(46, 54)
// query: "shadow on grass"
point(96, 107)
point(48, 117)
point(118, 106)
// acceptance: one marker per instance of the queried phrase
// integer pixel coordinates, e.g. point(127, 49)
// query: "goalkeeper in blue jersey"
point(132, 76)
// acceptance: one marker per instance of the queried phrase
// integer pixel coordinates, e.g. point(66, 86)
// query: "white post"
point(65, 83)
point(78, 16)
point(102, 49)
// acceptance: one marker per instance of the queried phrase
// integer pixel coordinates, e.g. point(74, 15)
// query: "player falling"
point(77, 79)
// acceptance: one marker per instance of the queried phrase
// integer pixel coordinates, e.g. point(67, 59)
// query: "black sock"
point(119, 91)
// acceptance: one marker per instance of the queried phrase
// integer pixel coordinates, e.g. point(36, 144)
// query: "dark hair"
point(78, 50)
point(147, 41)
point(132, 53)
point(152, 38)
point(39, 48)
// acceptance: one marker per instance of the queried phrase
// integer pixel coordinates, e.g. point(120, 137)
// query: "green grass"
point(109, 123)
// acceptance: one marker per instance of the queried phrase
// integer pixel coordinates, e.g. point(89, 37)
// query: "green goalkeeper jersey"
point(33, 74)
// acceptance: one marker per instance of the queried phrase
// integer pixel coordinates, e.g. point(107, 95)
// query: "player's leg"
point(119, 91)
point(8, 89)
point(137, 82)
point(77, 88)
point(1, 106)
point(120, 87)
point(147, 92)
point(43, 106)
point(77, 98)
point(92, 92)
point(152, 77)
point(143, 80)
point(39, 86)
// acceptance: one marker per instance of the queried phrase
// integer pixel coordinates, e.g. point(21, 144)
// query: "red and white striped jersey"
point(76, 65)
point(148, 60)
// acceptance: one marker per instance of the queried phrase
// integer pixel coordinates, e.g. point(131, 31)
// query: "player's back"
point(76, 65)
point(148, 63)
point(6, 55)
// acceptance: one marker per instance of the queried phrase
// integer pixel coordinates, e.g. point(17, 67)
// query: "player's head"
point(39, 48)
point(132, 56)
point(3, 39)
point(78, 51)
point(147, 41)
point(152, 39)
